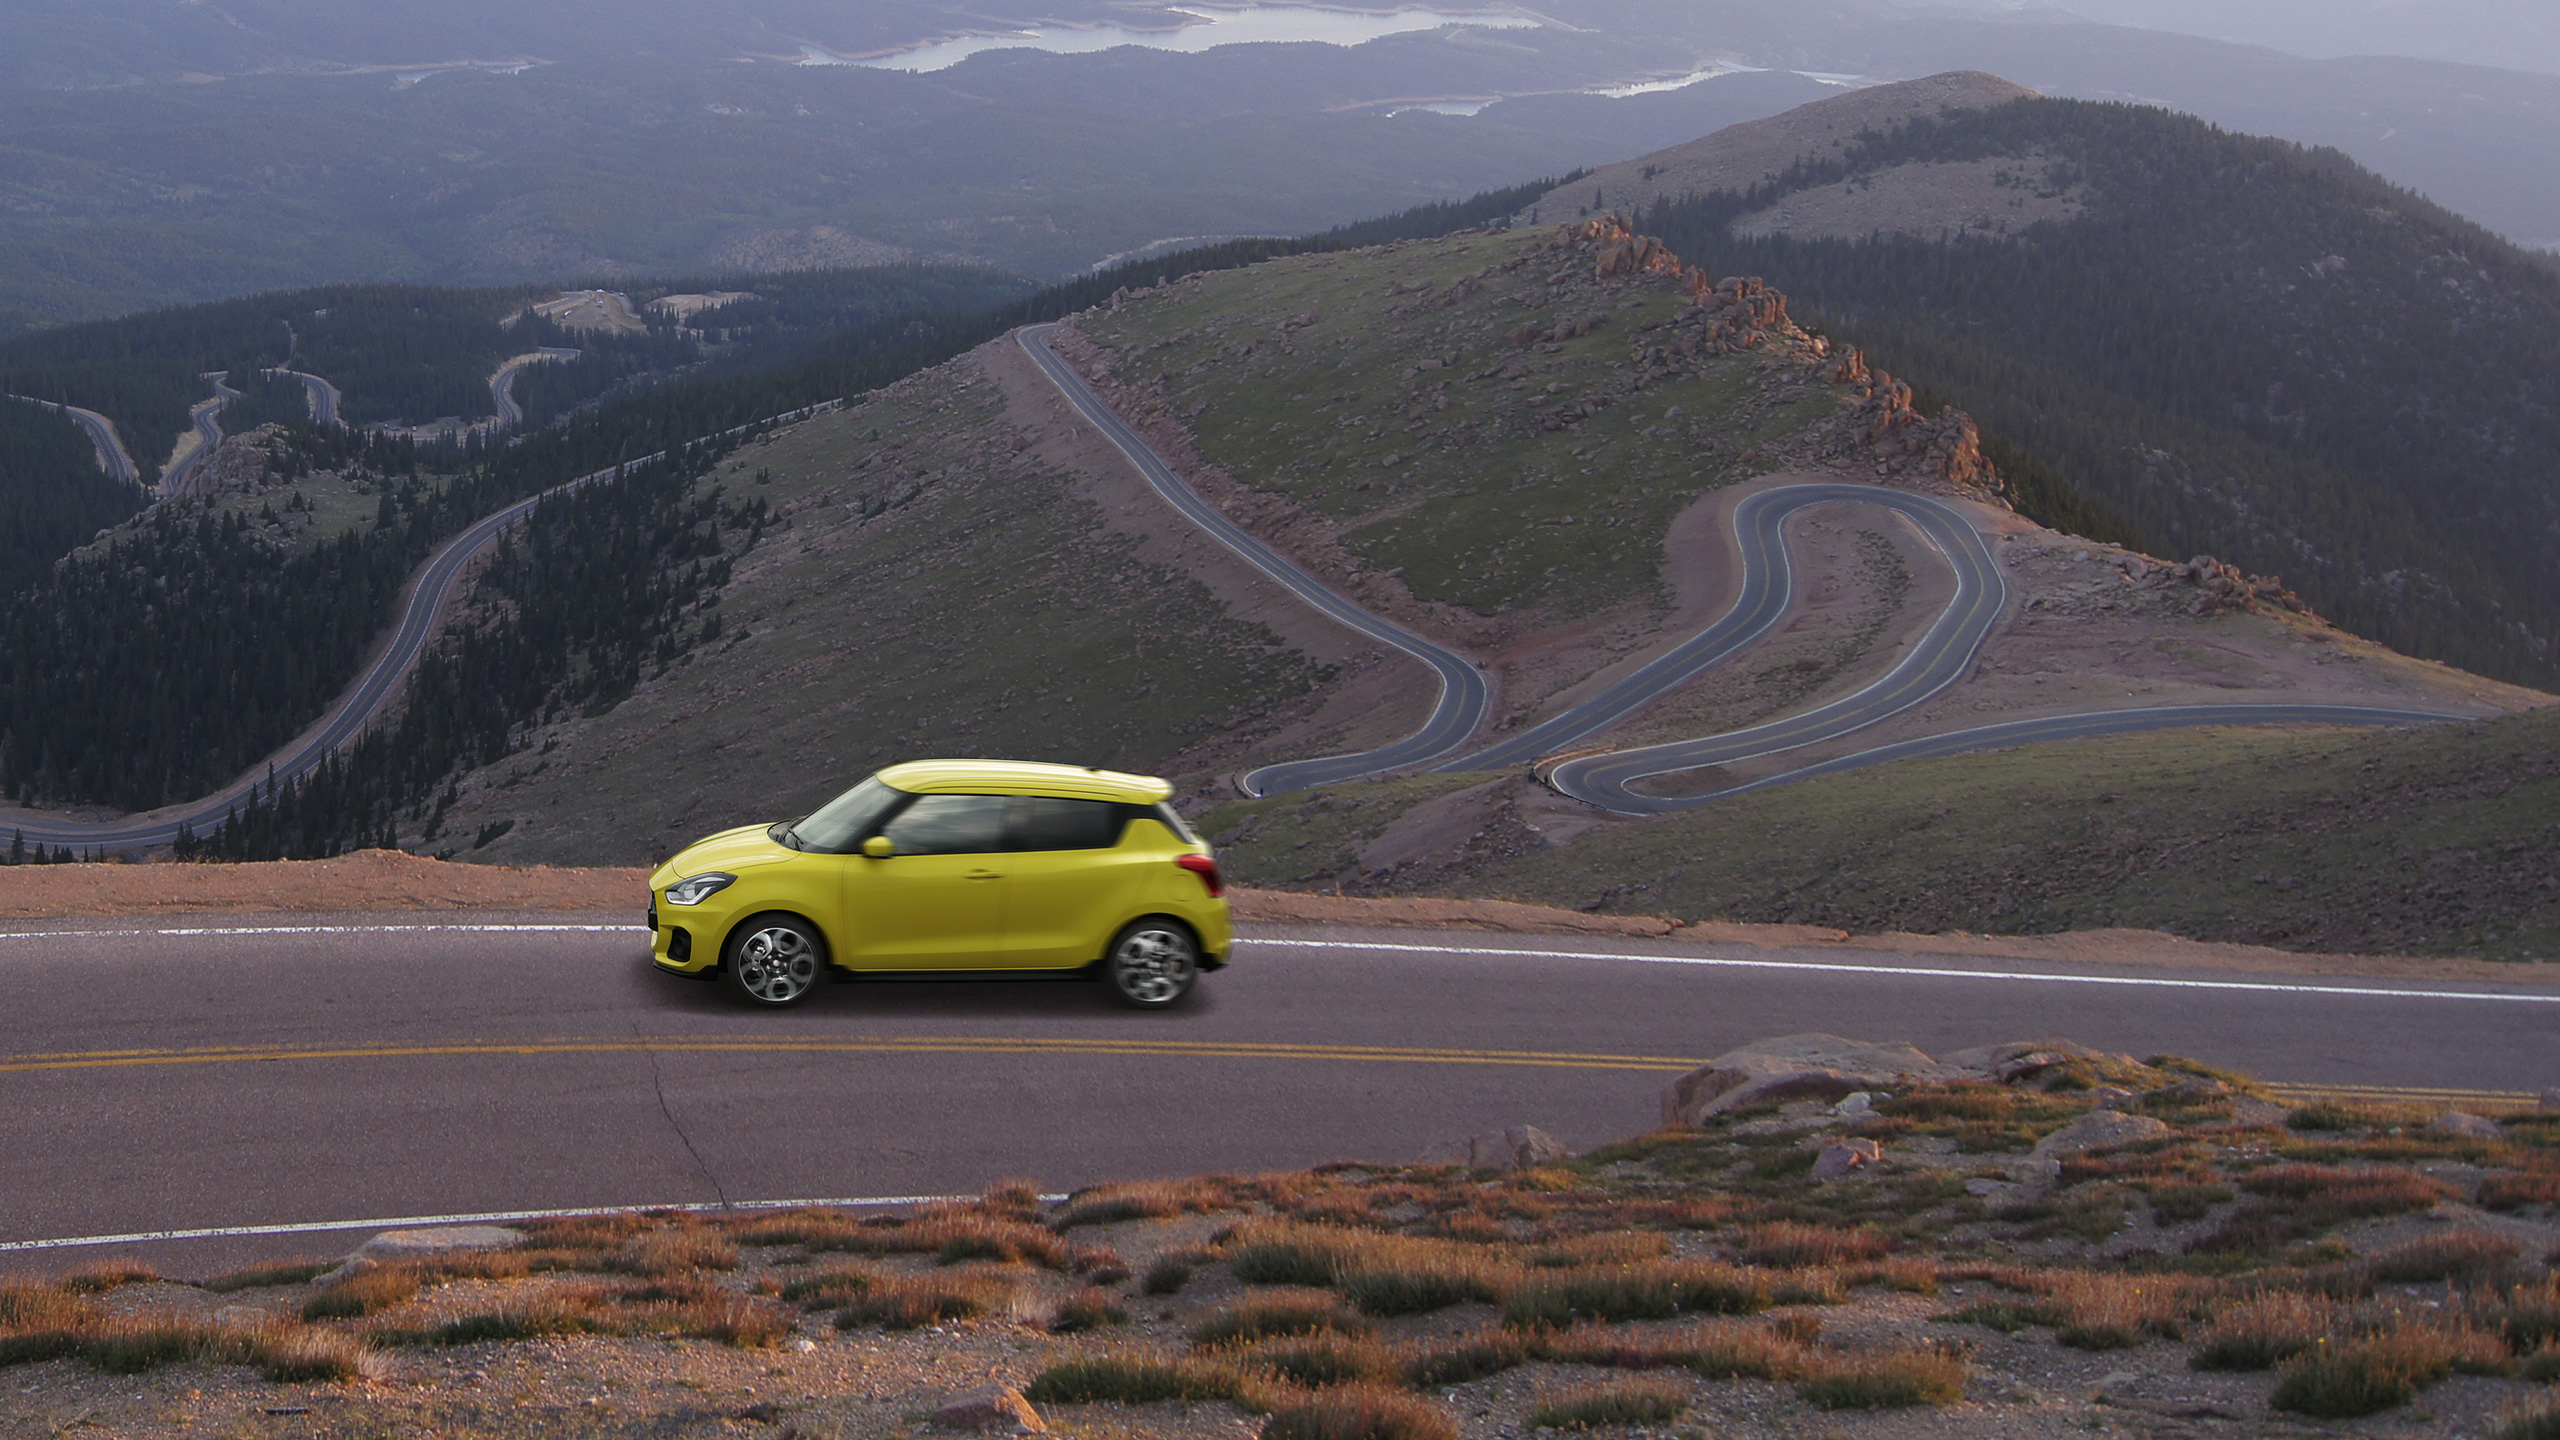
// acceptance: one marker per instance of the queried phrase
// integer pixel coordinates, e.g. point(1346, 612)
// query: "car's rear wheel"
point(1152, 963)
point(775, 960)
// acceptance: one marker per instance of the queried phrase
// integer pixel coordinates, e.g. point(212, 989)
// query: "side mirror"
point(879, 847)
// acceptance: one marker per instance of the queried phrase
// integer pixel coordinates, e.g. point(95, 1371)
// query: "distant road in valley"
point(429, 588)
point(502, 385)
point(1465, 694)
point(113, 458)
point(324, 396)
point(206, 416)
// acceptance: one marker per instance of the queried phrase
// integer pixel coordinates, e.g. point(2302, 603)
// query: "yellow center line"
point(2501, 1100)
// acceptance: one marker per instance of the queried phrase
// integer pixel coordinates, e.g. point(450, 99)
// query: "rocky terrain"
point(1824, 1236)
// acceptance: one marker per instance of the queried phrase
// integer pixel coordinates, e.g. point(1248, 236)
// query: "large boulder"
point(1796, 1067)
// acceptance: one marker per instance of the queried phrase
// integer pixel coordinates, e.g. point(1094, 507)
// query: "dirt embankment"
point(389, 882)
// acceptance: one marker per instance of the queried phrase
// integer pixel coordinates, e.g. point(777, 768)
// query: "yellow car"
point(947, 868)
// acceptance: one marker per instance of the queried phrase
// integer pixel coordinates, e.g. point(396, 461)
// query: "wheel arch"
point(826, 941)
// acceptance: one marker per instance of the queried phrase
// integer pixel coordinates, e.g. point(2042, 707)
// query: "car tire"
point(1152, 962)
point(775, 960)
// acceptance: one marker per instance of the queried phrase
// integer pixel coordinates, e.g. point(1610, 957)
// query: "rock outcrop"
point(1795, 1067)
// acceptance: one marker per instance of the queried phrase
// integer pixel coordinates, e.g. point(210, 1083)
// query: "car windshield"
point(846, 818)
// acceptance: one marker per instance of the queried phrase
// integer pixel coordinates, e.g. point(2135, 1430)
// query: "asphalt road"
point(502, 383)
point(209, 1078)
point(324, 396)
point(1465, 694)
point(355, 709)
point(113, 458)
point(206, 416)
point(1938, 659)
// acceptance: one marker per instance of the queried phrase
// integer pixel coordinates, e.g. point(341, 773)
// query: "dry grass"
point(2468, 1255)
point(1261, 1317)
point(1382, 1274)
point(1715, 1350)
point(1145, 1200)
point(1790, 1245)
point(1884, 1380)
point(1090, 1308)
point(1608, 1247)
point(2516, 1189)
point(1359, 1412)
point(830, 1288)
point(2526, 1316)
point(1135, 1380)
point(362, 1292)
point(911, 1302)
point(1169, 1272)
point(288, 1272)
point(1462, 1358)
point(2265, 1330)
point(674, 1252)
point(2540, 1421)
point(1658, 1290)
point(2096, 1311)
point(2401, 1355)
point(1318, 1361)
point(1648, 1401)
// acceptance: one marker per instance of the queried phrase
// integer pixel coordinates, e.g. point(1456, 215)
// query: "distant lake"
point(1251, 25)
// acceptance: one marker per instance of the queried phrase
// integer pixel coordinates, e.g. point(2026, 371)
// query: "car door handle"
point(984, 875)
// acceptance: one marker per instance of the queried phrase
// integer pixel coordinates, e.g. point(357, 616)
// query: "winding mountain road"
point(324, 396)
point(502, 383)
point(206, 417)
point(113, 458)
point(1465, 694)
point(1937, 659)
point(281, 1080)
point(430, 587)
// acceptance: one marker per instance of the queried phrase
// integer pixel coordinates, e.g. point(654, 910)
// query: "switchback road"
point(1465, 695)
point(220, 1074)
point(206, 417)
point(324, 396)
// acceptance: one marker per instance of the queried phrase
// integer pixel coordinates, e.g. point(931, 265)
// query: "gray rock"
point(1794, 1067)
point(1984, 1060)
point(1858, 1102)
point(2470, 1127)
point(2098, 1130)
point(989, 1407)
point(1521, 1147)
point(1842, 1156)
point(2251, 1111)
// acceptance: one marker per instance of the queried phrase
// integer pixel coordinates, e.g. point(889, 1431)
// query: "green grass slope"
point(1485, 417)
point(929, 586)
point(2432, 840)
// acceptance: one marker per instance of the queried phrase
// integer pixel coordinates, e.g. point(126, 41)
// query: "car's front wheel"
point(775, 960)
point(1152, 963)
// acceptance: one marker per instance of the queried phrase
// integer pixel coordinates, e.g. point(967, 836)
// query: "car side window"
point(949, 825)
point(1046, 822)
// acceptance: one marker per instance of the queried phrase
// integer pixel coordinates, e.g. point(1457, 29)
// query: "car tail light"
point(1206, 869)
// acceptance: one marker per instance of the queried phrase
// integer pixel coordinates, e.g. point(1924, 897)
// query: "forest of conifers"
point(2244, 348)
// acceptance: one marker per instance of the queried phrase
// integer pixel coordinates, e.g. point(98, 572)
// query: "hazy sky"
point(2512, 34)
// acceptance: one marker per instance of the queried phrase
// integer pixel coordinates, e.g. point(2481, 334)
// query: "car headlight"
point(695, 890)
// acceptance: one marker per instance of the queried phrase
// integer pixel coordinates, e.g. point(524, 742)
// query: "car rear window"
point(1045, 822)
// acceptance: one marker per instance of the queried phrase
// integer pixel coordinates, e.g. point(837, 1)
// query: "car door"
point(938, 901)
point(1072, 883)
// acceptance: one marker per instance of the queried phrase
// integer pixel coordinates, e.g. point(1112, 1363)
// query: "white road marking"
point(1924, 972)
point(413, 1222)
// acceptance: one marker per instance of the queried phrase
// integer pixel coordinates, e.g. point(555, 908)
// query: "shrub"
point(29, 1306)
point(1790, 1245)
point(1656, 1291)
point(1887, 1379)
point(296, 1355)
point(2264, 1331)
point(1909, 1276)
point(1613, 1247)
point(2385, 1369)
point(1465, 1358)
point(2516, 1189)
point(810, 1229)
point(1133, 1380)
point(832, 1288)
point(363, 1292)
point(1317, 1361)
point(2542, 1367)
point(674, 1252)
point(1170, 1272)
point(1382, 1274)
point(1716, 1350)
point(1146, 1200)
point(1090, 1308)
point(910, 1302)
point(1359, 1413)
point(529, 1319)
point(1615, 1402)
point(132, 1345)
point(2092, 1311)
point(287, 1272)
point(99, 1279)
point(2462, 1254)
point(1263, 1316)
point(2526, 1316)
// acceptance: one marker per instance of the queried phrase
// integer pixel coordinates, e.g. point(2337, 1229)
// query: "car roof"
point(1023, 777)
